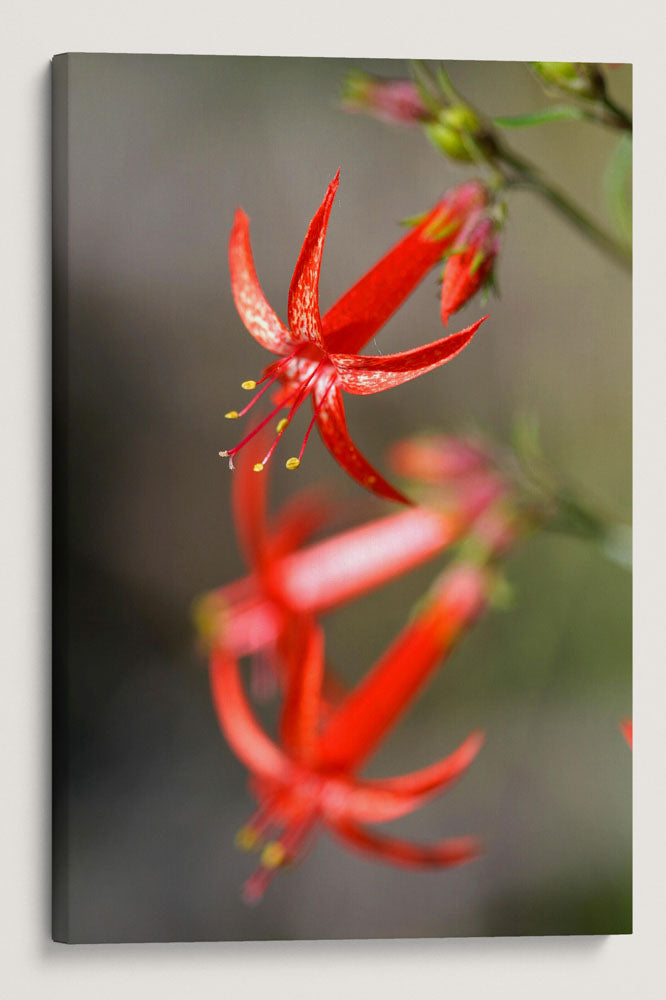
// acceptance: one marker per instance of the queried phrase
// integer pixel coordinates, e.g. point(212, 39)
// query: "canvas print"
point(342, 498)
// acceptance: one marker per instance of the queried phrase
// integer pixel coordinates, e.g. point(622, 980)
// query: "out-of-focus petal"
point(627, 728)
point(441, 854)
point(433, 779)
point(248, 502)
point(244, 734)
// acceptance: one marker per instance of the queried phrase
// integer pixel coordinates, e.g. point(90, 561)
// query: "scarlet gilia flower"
point(397, 102)
point(319, 357)
point(470, 264)
point(627, 728)
point(289, 578)
point(308, 778)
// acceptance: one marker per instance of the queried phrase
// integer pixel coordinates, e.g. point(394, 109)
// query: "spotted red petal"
point(363, 375)
point(333, 430)
point(356, 317)
point(303, 308)
point(244, 734)
point(257, 315)
point(441, 854)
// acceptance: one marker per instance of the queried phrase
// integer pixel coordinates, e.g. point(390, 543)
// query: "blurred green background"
point(160, 151)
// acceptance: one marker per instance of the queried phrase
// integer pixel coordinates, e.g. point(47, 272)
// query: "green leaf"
point(557, 113)
point(617, 188)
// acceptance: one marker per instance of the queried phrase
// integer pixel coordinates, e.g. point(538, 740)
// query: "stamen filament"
point(293, 463)
point(255, 430)
point(241, 413)
point(284, 423)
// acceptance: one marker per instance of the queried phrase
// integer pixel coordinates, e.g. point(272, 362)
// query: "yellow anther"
point(232, 415)
point(293, 463)
point(246, 839)
point(258, 466)
point(282, 424)
point(273, 855)
point(250, 384)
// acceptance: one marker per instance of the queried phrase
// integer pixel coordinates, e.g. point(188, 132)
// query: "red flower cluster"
point(319, 354)
point(308, 776)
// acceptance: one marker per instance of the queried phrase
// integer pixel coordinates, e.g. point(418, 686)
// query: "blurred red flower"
point(309, 777)
point(627, 728)
point(288, 577)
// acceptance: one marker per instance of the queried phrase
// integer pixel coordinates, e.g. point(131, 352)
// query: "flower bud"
point(580, 79)
point(397, 102)
point(457, 131)
point(469, 265)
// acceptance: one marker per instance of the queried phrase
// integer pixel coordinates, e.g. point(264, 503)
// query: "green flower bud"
point(580, 79)
point(458, 132)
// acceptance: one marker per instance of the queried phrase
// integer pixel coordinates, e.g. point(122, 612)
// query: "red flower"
point(469, 266)
point(320, 353)
point(310, 777)
point(288, 578)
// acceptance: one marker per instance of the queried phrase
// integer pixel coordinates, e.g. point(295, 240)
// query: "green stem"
point(620, 117)
point(527, 176)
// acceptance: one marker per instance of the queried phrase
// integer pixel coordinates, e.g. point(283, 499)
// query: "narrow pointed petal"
point(356, 317)
point(305, 672)
point(436, 777)
point(333, 430)
point(253, 309)
point(388, 689)
point(303, 308)
point(244, 734)
point(362, 375)
point(441, 854)
point(381, 800)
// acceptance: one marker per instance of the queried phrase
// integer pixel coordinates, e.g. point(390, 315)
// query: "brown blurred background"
point(161, 150)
